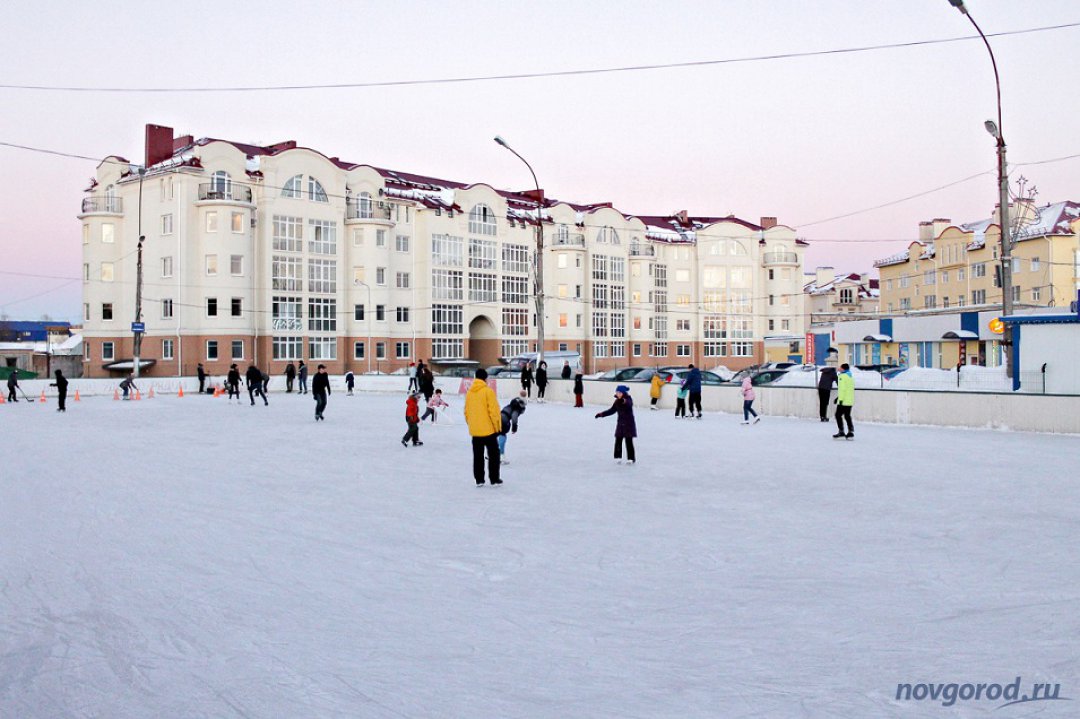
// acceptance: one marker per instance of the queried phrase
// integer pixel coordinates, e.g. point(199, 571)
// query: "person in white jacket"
point(748, 401)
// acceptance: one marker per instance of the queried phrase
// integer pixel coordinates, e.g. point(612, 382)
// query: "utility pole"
point(137, 328)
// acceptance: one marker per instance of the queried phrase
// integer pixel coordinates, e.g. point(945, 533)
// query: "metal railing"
point(102, 203)
point(780, 258)
point(642, 251)
point(366, 210)
point(571, 238)
point(232, 191)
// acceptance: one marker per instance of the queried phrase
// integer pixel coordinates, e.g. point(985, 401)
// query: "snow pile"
point(724, 373)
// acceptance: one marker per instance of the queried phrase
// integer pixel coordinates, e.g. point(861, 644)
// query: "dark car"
point(675, 375)
point(620, 375)
point(877, 367)
point(757, 376)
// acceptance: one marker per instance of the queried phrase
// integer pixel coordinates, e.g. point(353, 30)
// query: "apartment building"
point(833, 296)
point(956, 266)
point(271, 254)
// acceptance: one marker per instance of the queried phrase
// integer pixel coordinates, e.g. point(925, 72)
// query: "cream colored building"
point(955, 266)
point(833, 297)
point(273, 254)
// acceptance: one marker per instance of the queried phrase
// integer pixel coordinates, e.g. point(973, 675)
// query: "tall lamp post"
point(538, 277)
point(997, 131)
point(136, 327)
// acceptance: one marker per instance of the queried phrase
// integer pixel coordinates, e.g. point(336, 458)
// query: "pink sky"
point(801, 139)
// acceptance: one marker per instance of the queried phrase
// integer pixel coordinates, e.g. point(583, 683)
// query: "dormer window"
point(293, 188)
point(482, 221)
point(220, 182)
point(316, 193)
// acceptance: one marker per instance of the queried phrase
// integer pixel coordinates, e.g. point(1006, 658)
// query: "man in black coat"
point(566, 369)
point(12, 383)
point(302, 374)
point(61, 385)
point(320, 390)
point(254, 377)
point(825, 383)
point(290, 376)
point(202, 378)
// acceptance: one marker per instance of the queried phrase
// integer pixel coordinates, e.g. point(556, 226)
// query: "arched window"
point(562, 235)
point(364, 206)
point(220, 182)
point(482, 221)
point(736, 248)
point(315, 190)
point(111, 205)
point(294, 187)
point(607, 235)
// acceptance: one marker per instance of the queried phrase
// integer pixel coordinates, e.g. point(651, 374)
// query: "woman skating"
point(625, 427)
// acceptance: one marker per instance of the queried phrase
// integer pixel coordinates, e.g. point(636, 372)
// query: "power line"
point(533, 75)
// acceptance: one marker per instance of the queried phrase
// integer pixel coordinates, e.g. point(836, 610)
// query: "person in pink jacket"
point(433, 404)
point(748, 401)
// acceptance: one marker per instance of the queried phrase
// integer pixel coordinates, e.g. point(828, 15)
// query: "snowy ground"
point(186, 558)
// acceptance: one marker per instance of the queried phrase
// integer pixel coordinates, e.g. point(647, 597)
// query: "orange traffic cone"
point(42, 398)
point(2, 400)
point(77, 396)
point(181, 392)
point(151, 394)
point(116, 394)
point(138, 395)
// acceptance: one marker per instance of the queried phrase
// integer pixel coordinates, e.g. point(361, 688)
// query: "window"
point(401, 350)
point(447, 320)
point(108, 233)
point(323, 239)
point(636, 348)
point(364, 208)
point(288, 348)
point(236, 265)
point(211, 265)
point(482, 254)
point(742, 349)
point(515, 290)
point(237, 349)
point(380, 350)
point(515, 258)
point(563, 320)
point(771, 276)
point(286, 273)
point(905, 303)
point(904, 281)
point(211, 221)
point(961, 274)
point(322, 348)
point(929, 301)
point(236, 222)
point(607, 235)
point(108, 352)
point(1016, 261)
point(447, 348)
point(322, 276)
point(288, 234)
point(600, 267)
point(236, 307)
point(563, 291)
point(978, 269)
point(682, 325)
point(380, 313)
point(945, 302)
point(86, 234)
point(86, 312)
point(847, 296)
point(166, 224)
point(944, 276)
point(106, 311)
point(682, 350)
point(401, 243)
point(358, 350)
point(322, 315)
point(380, 238)
point(402, 314)
point(930, 277)
point(515, 322)
point(167, 188)
point(618, 269)
point(482, 287)
point(785, 325)
point(447, 285)
point(1036, 294)
point(659, 349)
point(448, 251)
point(293, 187)
point(166, 309)
point(1016, 293)
point(211, 349)
point(772, 325)
point(978, 297)
point(358, 237)
point(1034, 264)
point(561, 262)
point(380, 275)
point(402, 280)
point(211, 306)
point(167, 349)
point(482, 221)
point(358, 313)
point(316, 193)
point(106, 272)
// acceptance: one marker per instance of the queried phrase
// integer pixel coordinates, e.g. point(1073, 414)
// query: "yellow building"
point(956, 266)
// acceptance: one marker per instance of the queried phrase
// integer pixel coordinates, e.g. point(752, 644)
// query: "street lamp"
point(538, 276)
point(136, 327)
point(996, 131)
point(367, 314)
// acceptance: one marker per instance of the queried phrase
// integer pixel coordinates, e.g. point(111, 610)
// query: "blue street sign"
point(138, 327)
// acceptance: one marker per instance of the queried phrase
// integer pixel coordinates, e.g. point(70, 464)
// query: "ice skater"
point(541, 381)
point(290, 376)
point(302, 376)
point(434, 404)
point(200, 372)
point(680, 400)
point(61, 385)
point(748, 401)
point(127, 385)
point(350, 382)
point(320, 391)
point(845, 400)
point(484, 418)
point(254, 379)
point(625, 427)
point(579, 390)
point(656, 387)
point(12, 385)
point(527, 379)
point(412, 421)
point(510, 414)
point(826, 380)
point(413, 384)
point(232, 382)
point(693, 386)
point(566, 371)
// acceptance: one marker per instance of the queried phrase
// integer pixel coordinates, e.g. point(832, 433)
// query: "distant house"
point(833, 296)
point(41, 347)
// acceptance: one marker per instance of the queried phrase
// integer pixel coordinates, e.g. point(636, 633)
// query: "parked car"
point(779, 365)
point(553, 358)
point(494, 370)
point(764, 376)
point(458, 372)
point(877, 367)
point(676, 375)
point(620, 375)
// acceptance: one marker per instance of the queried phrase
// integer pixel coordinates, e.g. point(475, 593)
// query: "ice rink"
point(187, 558)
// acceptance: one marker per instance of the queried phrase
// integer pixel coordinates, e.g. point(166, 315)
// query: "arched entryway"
point(483, 341)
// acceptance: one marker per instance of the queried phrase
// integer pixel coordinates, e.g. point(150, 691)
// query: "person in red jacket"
point(412, 419)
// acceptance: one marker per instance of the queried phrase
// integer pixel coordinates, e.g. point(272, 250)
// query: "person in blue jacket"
point(625, 427)
point(693, 388)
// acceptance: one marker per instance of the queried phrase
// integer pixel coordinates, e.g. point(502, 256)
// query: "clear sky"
point(802, 139)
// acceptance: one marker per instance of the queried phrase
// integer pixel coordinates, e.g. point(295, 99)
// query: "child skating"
point(680, 400)
point(510, 414)
point(579, 390)
point(436, 402)
point(412, 419)
point(625, 427)
point(748, 401)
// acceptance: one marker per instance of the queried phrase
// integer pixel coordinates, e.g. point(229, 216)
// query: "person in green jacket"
point(845, 400)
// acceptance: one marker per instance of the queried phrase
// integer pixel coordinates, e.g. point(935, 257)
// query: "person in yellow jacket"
point(484, 418)
point(655, 387)
point(845, 400)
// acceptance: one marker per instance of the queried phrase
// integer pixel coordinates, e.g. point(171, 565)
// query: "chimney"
point(179, 143)
point(159, 144)
point(767, 223)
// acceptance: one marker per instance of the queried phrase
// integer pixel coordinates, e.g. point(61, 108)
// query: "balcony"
point(224, 192)
point(366, 210)
point(571, 239)
point(102, 203)
point(780, 258)
point(642, 251)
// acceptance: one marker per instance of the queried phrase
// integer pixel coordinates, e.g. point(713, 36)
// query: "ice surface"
point(187, 558)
